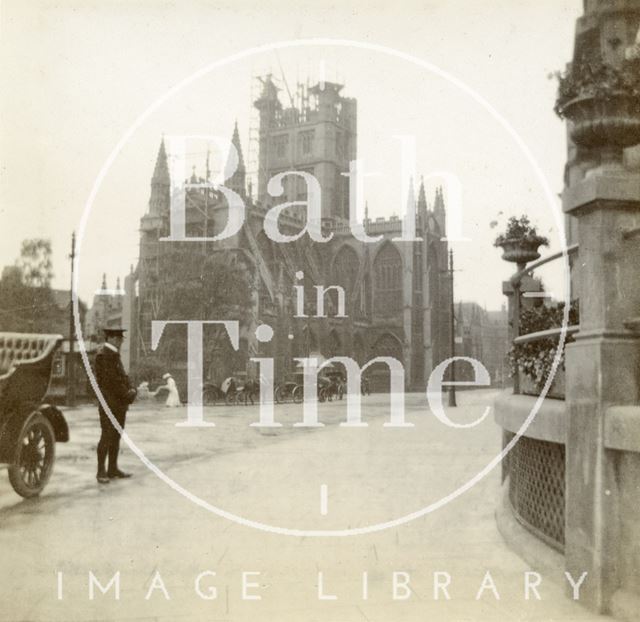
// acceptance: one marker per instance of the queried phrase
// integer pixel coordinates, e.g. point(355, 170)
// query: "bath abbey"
point(392, 296)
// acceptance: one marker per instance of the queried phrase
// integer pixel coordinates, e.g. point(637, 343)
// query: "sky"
point(76, 76)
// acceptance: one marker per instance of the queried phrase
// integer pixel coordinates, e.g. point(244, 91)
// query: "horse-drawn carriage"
point(240, 389)
point(330, 385)
point(335, 385)
point(212, 394)
point(29, 428)
point(290, 390)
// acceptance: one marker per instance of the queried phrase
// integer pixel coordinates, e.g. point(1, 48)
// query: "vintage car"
point(29, 429)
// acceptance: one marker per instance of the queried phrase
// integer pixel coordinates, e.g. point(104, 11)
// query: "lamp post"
point(452, 335)
point(71, 375)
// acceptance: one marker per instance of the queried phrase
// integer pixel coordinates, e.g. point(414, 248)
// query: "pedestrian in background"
point(173, 399)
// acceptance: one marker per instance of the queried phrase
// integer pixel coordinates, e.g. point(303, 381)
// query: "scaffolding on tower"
point(253, 150)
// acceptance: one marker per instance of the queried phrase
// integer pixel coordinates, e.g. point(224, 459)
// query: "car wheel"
point(34, 457)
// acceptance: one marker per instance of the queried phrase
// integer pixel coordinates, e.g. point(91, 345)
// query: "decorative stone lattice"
point(537, 487)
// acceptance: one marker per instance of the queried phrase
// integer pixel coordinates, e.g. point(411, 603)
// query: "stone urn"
point(610, 123)
point(521, 250)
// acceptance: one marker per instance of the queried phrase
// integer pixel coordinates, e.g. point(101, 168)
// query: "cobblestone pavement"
point(328, 478)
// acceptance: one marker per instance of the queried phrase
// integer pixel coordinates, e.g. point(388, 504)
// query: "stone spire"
point(422, 198)
point(161, 171)
point(103, 287)
point(235, 139)
point(411, 198)
point(439, 211)
point(237, 181)
point(421, 206)
point(160, 184)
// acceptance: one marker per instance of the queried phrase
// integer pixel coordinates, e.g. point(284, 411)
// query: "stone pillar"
point(603, 367)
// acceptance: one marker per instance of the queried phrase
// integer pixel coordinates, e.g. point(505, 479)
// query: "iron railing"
point(516, 281)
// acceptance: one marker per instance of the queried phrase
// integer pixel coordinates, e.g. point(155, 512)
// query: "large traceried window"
point(281, 145)
point(301, 184)
point(380, 374)
point(345, 273)
point(334, 346)
point(387, 269)
point(359, 350)
point(306, 142)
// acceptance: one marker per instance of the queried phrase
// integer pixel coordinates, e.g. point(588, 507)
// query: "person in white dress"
point(173, 399)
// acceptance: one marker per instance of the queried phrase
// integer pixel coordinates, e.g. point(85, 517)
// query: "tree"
point(35, 262)
point(24, 308)
point(227, 294)
point(27, 302)
point(216, 288)
point(26, 299)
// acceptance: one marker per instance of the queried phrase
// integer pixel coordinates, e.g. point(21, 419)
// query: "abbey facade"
point(396, 294)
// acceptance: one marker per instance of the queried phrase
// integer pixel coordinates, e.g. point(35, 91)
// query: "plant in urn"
point(602, 101)
point(520, 241)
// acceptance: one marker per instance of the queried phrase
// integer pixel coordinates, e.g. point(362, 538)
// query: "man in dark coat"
point(117, 391)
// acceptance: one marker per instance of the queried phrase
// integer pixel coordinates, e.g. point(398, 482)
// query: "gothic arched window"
point(344, 274)
point(345, 269)
point(359, 350)
point(387, 269)
point(380, 374)
point(313, 342)
point(334, 345)
point(388, 345)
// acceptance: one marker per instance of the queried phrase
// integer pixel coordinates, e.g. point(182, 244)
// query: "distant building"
point(105, 311)
point(397, 293)
point(484, 336)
